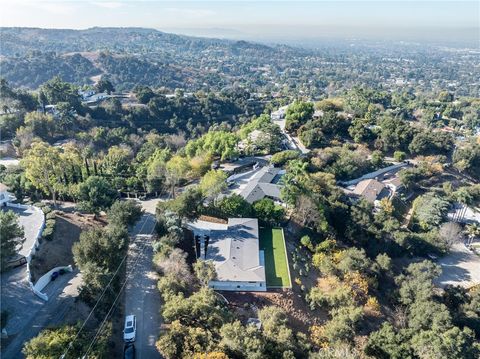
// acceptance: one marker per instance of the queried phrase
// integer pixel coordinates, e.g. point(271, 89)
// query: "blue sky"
point(299, 18)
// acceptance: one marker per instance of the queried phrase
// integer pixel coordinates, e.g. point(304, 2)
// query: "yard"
point(272, 242)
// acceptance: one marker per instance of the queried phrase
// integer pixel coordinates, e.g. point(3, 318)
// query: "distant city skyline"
point(273, 20)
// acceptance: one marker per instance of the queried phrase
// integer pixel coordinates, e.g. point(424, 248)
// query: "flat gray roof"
point(235, 251)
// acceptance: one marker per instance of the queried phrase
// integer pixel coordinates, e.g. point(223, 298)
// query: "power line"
point(98, 301)
point(102, 325)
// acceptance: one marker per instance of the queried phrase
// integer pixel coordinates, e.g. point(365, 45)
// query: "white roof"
point(235, 251)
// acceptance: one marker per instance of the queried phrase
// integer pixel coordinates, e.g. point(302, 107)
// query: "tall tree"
point(11, 235)
point(213, 183)
point(56, 90)
point(104, 85)
point(96, 194)
point(43, 168)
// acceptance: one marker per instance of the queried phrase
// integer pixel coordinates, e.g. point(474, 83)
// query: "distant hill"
point(19, 41)
point(129, 56)
point(138, 56)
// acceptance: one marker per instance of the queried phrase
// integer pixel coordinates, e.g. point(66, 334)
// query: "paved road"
point(294, 143)
point(142, 297)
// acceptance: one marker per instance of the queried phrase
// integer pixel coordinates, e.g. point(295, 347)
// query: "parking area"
point(460, 267)
point(28, 314)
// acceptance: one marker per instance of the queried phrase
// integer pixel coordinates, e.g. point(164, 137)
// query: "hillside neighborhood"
point(178, 197)
point(247, 256)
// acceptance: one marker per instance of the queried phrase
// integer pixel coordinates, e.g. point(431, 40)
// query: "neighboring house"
point(241, 164)
point(52, 110)
point(62, 143)
point(263, 184)
point(394, 184)
point(5, 196)
point(235, 251)
point(371, 190)
point(381, 174)
point(279, 114)
point(96, 98)
point(249, 142)
point(86, 94)
point(317, 114)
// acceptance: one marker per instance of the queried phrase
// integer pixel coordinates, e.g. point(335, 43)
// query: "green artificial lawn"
point(276, 265)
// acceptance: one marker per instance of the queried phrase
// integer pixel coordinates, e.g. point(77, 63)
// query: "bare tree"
point(176, 264)
point(450, 233)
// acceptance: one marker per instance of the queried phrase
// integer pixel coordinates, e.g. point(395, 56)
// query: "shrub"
point(307, 242)
point(46, 209)
point(399, 156)
point(372, 305)
point(47, 233)
point(281, 158)
point(51, 215)
point(50, 223)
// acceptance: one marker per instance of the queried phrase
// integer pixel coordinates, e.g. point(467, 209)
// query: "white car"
point(130, 330)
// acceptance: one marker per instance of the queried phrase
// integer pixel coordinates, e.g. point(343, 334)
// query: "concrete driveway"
point(31, 220)
point(28, 314)
point(460, 267)
point(142, 297)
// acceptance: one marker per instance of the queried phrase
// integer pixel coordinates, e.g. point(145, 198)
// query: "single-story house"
point(95, 98)
point(263, 184)
point(279, 114)
point(394, 183)
point(371, 190)
point(86, 94)
point(235, 251)
point(249, 142)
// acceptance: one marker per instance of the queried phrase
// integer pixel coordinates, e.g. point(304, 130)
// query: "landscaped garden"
point(272, 242)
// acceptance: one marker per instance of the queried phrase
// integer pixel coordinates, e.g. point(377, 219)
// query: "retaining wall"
point(372, 175)
point(43, 281)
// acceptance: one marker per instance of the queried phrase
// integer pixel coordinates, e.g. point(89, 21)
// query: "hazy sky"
point(292, 18)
